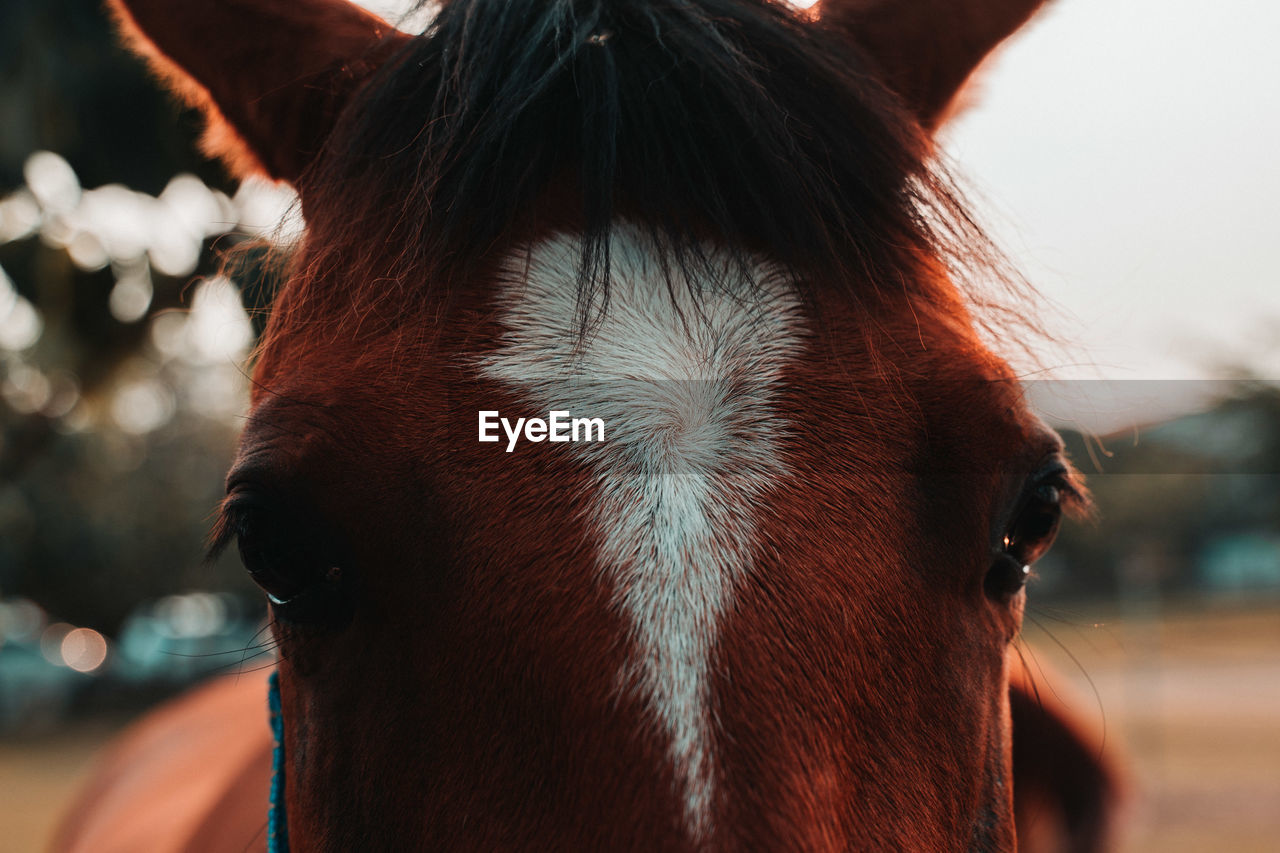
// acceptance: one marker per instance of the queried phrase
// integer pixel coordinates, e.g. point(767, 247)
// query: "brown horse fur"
point(458, 686)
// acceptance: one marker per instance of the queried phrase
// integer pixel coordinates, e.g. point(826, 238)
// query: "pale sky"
point(1130, 152)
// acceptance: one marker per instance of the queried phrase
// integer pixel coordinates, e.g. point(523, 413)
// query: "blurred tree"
point(1183, 485)
point(67, 86)
point(111, 457)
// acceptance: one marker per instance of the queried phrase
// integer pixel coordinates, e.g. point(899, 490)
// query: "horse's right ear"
point(271, 76)
point(926, 49)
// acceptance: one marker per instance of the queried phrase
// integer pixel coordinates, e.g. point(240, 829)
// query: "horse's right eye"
point(302, 576)
point(279, 566)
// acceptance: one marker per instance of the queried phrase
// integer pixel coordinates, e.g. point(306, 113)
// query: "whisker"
point(1079, 623)
point(1102, 711)
point(261, 833)
point(226, 668)
point(1019, 645)
point(267, 646)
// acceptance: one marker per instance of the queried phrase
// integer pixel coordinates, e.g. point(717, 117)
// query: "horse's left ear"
point(271, 76)
point(1068, 788)
point(925, 49)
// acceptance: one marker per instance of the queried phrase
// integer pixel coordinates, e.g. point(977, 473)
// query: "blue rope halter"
point(277, 824)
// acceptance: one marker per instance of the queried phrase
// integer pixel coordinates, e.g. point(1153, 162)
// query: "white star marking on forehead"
point(685, 386)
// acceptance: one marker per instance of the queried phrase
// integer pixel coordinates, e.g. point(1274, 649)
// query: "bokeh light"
point(20, 322)
point(19, 216)
point(218, 326)
point(25, 388)
point(196, 614)
point(269, 210)
point(142, 405)
point(83, 649)
point(20, 620)
point(132, 295)
point(51, 641)
point(52, 181)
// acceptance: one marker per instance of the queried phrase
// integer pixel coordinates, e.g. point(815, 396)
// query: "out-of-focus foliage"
point(121, 346)
point(67, 86)
point(1187, 507)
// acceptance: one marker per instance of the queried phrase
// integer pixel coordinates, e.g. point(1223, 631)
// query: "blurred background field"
point(1188, 697)
point(124, 335)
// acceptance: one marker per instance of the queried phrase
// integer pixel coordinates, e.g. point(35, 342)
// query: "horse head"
point(765, 597)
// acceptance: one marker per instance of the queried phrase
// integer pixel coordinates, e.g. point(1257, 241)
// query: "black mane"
point(730, 119)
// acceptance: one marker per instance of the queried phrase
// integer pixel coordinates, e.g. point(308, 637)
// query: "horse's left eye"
point(1036, 524)
point(1028, 536)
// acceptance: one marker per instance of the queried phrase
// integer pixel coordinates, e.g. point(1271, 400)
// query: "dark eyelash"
point(225, 529)
point(1076, 500)
point(229, 523)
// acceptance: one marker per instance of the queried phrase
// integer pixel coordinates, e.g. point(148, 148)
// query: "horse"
point(773, 602)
